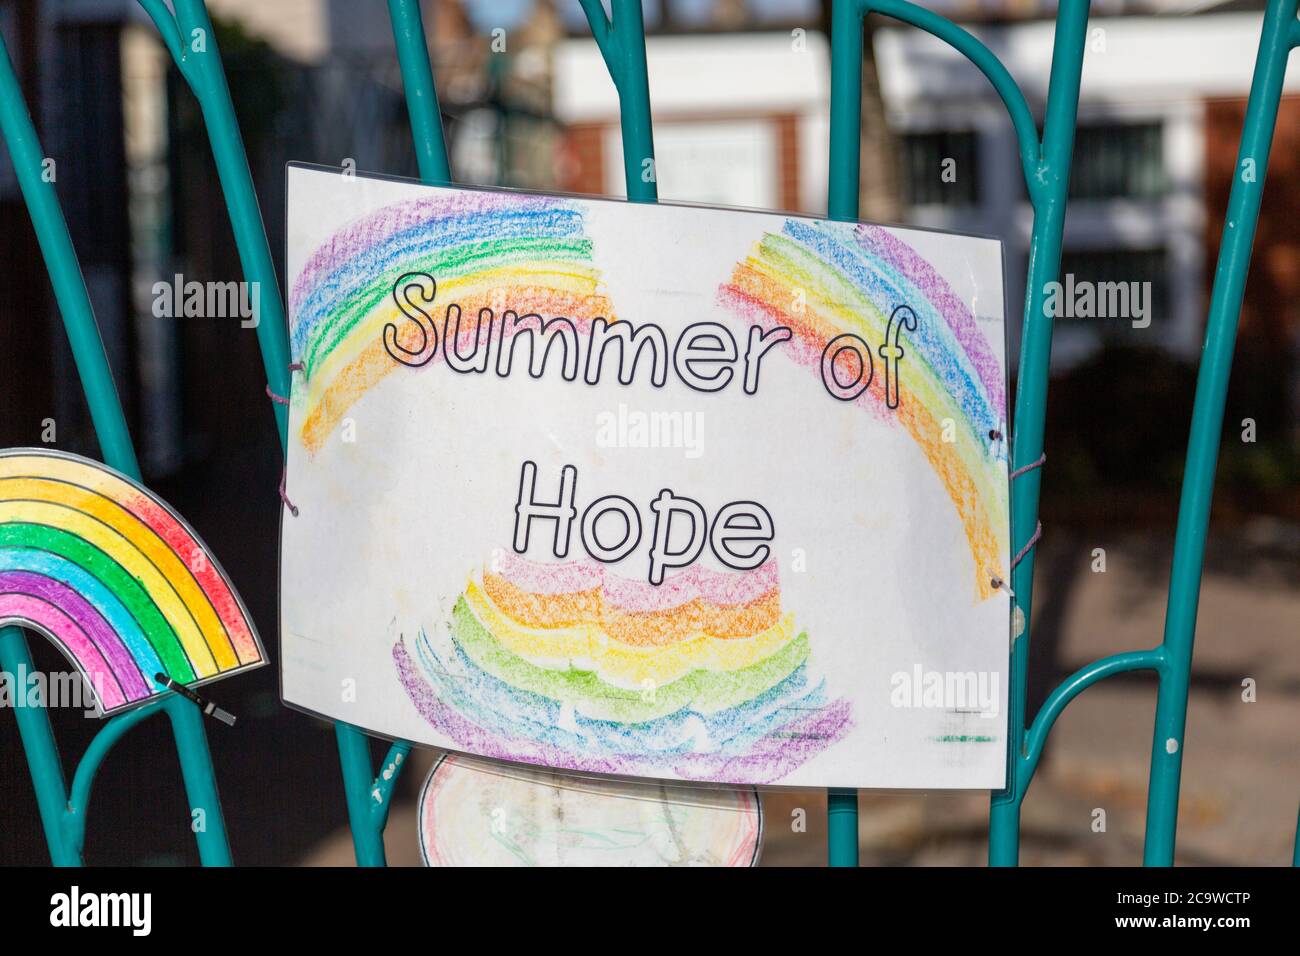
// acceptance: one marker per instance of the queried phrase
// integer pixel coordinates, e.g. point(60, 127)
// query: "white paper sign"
point(659, 491)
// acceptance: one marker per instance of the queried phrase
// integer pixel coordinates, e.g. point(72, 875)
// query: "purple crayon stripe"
point(24, 607)
point(121, 665)
point(955, 312)
point(356, 238)
point(772, 758)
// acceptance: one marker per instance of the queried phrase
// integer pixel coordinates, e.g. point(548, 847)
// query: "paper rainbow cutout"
point(115, 578)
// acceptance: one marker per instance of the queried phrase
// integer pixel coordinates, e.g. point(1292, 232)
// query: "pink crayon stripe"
point(40, 613)
point(716, 587)
point(374, 229)
point(88, 619)
point(540, 577)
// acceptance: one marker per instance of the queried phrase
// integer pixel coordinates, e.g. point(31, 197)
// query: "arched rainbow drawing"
point(822, 279)
point(115, 578)
point(568, 665)
point(497, 251)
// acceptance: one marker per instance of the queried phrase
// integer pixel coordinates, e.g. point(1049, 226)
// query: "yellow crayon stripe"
point(587, 646)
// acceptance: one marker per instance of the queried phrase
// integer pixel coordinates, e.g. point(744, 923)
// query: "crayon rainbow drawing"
point(115, 579)
point(496, 251)
point(825, 279)
point(567, 665)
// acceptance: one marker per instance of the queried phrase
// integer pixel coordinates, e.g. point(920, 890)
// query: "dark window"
point(941, 168)
point(1117, 161)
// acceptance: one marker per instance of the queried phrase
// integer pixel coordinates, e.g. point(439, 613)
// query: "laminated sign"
point(650, 490)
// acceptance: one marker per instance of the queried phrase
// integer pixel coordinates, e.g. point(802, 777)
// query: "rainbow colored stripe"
point(824, 279)
point(115, 578)
point(485, 250)
point(569, 666)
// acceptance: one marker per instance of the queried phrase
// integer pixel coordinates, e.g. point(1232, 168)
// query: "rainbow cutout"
point(823, 279)
point(567, 665)
point(485, 250)
point(115, 578)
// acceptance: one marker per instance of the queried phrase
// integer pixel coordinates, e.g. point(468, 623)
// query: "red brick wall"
point(582, 167)
point(1270, 316)
point(582, 162)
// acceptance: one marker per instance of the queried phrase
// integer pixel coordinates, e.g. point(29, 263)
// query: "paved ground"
point(1241, 772)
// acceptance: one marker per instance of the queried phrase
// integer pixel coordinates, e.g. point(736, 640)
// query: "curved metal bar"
point(207, 80)
point(74, 819)
point(382, 791)
point(988, 63)
point(622, 44)
point(1046, 166)
point(42, 752)
point(1277, 36)
point(170, 31)
point(602, 31)
point(1066, 691)
point(65, 273)
point(115, 444)
point(207, 821)
point(1053, 173)
point(358, 774)
point(421, 95)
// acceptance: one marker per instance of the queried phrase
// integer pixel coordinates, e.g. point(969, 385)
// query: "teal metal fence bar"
point(1046, 167)
point(622, 45)
point(1279, 35)
point(63, 813)
point(1047, 170)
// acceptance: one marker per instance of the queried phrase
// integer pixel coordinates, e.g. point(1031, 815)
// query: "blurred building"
point(741, 119)
point(1159, 121)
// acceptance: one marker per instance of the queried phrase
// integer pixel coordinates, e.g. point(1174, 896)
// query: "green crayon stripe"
point(453, 263)
point(700, 690)
point(810, 272)
point(114, 577)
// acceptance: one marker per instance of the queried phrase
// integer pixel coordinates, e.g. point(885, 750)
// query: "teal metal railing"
point(63, 813)
point(1045, 162)
point(1046, 167)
